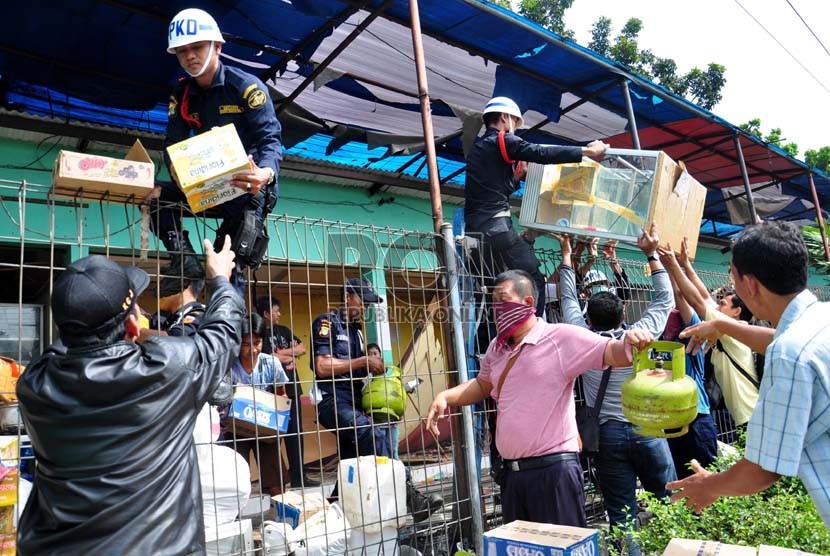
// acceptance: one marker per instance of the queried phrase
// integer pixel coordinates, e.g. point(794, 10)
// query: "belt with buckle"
point(537, 462)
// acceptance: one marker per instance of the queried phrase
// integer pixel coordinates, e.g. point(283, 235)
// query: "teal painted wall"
point(105, 225)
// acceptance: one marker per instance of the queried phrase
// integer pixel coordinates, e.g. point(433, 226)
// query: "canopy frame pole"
point(750, 200)
point(426, 116)
point(629, 111)
point(284, 103)
point(820, 217)
point(294, 53)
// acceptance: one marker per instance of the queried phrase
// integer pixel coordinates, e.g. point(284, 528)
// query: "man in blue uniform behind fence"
point(216, 95)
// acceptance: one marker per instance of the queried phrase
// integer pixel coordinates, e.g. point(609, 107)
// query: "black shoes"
point(419, 504)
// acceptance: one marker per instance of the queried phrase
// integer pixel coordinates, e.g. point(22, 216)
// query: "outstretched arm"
point(698, 301)
point(686, 265)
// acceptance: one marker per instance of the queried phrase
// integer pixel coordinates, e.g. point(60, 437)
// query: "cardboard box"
point(689, 547)
point(294, 507)
point(9, 452)
point(767, 550)
point(256, 412)
point(205, 164)
point(8, 488)
point(544, 539)
point(134, 176)
point(615, 199)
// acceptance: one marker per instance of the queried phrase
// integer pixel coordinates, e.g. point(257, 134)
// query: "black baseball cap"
point(95, 293)
point(363, 288)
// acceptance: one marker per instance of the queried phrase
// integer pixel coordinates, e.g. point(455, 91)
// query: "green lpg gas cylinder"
point(658, 397)
point(384, 396)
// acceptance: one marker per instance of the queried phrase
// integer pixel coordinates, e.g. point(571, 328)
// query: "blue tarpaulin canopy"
point(105, 63)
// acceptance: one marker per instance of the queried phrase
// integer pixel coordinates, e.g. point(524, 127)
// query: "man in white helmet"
point(215, 95)
point(494, 171)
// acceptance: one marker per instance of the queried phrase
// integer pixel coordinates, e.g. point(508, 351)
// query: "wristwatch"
point(652, 258)
point(273, 177)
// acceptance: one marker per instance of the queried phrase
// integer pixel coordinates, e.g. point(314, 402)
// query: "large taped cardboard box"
point(767, 550)
point(526, 537)
point(616, 198)
point(257, 413)
point(691, 547)
point(133, 177)
point(204, 165)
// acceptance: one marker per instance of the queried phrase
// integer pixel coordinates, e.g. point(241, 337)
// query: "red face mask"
point(509, 316)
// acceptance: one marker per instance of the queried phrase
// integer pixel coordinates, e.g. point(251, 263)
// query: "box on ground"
point(690, 547)
point(526, 537)
point(134, 176)
point(258, 413)
point(204, 165)
point(616, 198)
point(767, 550)
point(294, 507)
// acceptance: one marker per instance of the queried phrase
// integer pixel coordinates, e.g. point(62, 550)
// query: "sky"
point(762, 79)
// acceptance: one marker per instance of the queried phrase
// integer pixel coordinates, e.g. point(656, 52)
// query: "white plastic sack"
point(226, 484)
point(326, 533)
point(277, 538)
point(207, 426)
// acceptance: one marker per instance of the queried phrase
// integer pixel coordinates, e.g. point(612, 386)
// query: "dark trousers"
point(511, 252)
point(168, 209)
point(294, 443)
point(700, 443)
point(268, 462)
point(551, 494)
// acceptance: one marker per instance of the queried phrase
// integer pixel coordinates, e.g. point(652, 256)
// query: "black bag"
point(713, 390)
point(587, 418)
point(250, 241)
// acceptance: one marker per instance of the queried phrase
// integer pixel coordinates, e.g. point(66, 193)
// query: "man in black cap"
point(342, 368)
point(111, 420)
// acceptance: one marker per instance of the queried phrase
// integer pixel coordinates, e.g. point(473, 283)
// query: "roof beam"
point(332, 55)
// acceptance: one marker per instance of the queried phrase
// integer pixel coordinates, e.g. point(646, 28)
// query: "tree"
point(601, 36)
point(702, 87)
point(503, 3)
point(819, 158)
point(753, 127)
point(547, 13)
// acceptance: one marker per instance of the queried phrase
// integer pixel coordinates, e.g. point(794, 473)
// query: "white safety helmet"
point(505, 106)
point(192, 25)
point(595, 277)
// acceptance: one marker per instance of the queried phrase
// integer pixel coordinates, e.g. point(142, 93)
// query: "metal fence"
point(432, 325)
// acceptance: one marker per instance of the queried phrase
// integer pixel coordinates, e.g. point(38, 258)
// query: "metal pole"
point(467, 438)
point(750, 201)
point(820, 218)
point(426, 118)
point(629, 110)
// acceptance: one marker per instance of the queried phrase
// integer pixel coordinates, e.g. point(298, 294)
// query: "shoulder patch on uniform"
point(172, 107)
point(188, 320)
point(249, 89)
point(324, 329)
point(230, 109)
point(257, 99)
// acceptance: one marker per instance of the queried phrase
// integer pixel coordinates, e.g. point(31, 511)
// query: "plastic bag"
point(226, 485)
point(325, 533)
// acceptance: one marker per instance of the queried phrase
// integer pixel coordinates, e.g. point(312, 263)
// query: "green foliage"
point(783, 515)
point(547, 13)
point(601, 36)
point(753, 127)
point(815, 247)
point(700, 86)
point(819, 159)
point(503, 3)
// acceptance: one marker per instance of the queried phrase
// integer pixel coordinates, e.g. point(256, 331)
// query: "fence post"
point(468, 446)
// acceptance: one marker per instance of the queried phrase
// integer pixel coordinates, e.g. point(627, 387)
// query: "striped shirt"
point(789, 432)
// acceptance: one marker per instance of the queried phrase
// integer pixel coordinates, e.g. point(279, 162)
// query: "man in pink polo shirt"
point(536, 434)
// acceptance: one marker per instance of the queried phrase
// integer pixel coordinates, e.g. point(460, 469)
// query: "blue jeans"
point(623, 457)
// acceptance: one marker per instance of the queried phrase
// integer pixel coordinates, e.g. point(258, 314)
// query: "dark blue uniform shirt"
point(490, 181)
point(184, 322)
point(234, 97)
point(332, 335)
